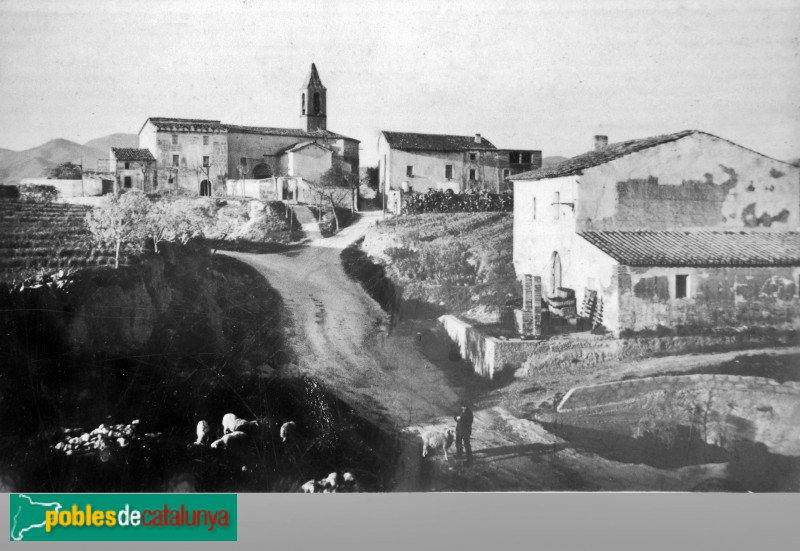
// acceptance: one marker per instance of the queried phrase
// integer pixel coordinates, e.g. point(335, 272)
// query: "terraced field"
point(37, 238)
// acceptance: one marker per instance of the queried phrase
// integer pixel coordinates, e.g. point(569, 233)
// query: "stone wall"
point(722, 407)
point(716, 297)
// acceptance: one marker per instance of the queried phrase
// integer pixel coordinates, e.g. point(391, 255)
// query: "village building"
point(207, 157)
point(132, 169)
point(413, 162)
point(685, 229)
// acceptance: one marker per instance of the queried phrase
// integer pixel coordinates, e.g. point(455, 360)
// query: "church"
point(199, 156)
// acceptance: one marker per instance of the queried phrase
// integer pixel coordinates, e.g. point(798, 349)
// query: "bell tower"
point(313, 108)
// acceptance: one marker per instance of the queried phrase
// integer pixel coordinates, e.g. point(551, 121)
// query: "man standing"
point(463, 432)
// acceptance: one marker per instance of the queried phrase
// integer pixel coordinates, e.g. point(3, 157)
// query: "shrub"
point(448, 201)
point(36, 193)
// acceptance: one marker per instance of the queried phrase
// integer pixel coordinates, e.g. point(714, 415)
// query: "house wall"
point(696, 181)
point(716, 297)
point(309, 163)
point(536, 238)
point(190, 148)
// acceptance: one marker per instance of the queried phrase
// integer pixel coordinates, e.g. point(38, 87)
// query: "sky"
point(545, 75)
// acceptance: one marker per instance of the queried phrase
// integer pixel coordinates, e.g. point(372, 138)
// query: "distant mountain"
point(35, 162)
point(547, 162)
point(113, 140)
point(795, 162)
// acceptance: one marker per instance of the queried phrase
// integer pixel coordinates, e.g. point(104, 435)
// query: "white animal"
point(311, 487)
point(330, 484)
point(232, 423)
point(203, 433)
point(436, 439)
point(287, 430)
point(349, 484)
point(236, 441)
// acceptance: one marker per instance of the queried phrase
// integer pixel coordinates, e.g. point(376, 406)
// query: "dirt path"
point(342, 338)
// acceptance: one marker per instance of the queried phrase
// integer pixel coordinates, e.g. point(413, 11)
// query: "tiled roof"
point(698, 248)
point(411, 141)
point(167, 124)
point(132, 154)
point(598, 157)
point(294, 132)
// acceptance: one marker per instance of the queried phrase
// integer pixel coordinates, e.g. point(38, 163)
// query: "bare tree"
point(120, 221)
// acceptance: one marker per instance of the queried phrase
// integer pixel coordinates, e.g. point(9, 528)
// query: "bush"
point(36, 193)
point(9, 192)
point(448, 201)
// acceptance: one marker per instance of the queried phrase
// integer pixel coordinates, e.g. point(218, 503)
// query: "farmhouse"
point(419, 162)
point(132, 168)
point(683, 229)
point(200, 155)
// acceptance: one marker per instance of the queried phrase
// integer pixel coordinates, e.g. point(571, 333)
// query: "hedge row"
point(449, 201)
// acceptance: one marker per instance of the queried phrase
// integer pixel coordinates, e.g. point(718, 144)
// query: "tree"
point(335, 184)
point(120, 221)
point(371, 178)
point(66, 171)
point(176, 221)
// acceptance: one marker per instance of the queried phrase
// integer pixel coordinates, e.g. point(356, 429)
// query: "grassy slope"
point(463, 260)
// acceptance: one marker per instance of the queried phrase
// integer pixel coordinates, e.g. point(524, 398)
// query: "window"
point(513, 157)
point(448, 172)
point(128, 181)
point(176, 159)
point(127, 165)
point(506, 173)
point(205, 140)
point(243, 161)
point(205, 160)
point(170, 180)
point(303, 103)
point(534, 208)
point(473, 174)
point(681, 286)
point(409, 171)
point(525, 157)
point(317, 104)
point(556, 205)
point(174, 139)
point(473, 156)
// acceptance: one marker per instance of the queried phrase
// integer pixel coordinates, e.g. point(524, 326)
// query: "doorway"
point(205, 188)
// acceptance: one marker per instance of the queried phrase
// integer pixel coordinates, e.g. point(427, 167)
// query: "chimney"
point(600, 142)
point(477, 138)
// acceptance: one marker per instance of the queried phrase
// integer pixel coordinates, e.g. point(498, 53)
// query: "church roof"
point(313, 80)
point(294, 132)
point(411, 141)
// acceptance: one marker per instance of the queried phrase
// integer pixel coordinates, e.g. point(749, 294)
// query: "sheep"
point(435, 439)
point(203, 433)
point(231, 423)
point(311, 487)
point(287, 431)
point(349, 484)
point(330, 484)
point(236, 441)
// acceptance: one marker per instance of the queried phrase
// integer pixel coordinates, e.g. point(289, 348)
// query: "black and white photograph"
point(420, 246)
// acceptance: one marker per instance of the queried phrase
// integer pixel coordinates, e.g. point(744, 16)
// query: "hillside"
point(34, 162)
point(552, 161)
point(454, 262)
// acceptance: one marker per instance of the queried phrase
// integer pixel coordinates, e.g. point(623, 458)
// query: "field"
point(38, 238)
point(456, 261)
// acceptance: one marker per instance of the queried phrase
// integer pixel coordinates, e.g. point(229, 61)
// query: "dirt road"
point(342, 338)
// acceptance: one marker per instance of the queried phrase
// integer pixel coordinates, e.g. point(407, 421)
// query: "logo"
point(123, 517)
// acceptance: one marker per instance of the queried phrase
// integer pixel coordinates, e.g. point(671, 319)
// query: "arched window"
point(205, 188)
point(303, 103)
point(555, 272)
point(317, 104)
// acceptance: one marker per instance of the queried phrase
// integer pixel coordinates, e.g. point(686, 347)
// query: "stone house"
point(132, 168)
point(199, 155)
point(419, 162)
point(683, 229)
